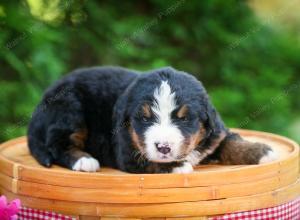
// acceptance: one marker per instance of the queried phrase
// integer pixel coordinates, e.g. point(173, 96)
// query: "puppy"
point(159, 121)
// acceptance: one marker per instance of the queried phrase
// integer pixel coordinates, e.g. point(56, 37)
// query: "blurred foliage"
point(250, 69)
point(287, 12)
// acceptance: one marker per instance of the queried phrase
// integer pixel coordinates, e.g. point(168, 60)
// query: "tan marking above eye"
point(146, 111)
point(182, 112)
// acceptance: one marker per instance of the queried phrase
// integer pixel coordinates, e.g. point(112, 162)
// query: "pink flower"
point(8, 211)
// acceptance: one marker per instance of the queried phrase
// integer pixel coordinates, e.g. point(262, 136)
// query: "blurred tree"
point(248, 67)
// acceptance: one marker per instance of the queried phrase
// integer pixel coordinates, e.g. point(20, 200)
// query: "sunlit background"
point(246, 53)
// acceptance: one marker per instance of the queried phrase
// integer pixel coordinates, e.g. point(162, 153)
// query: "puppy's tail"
point(39, 151)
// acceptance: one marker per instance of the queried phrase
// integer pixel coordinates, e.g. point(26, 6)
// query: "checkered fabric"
point(34, 214)
point(287, 211)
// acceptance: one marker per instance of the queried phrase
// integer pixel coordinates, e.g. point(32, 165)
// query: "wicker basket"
point(210, 190)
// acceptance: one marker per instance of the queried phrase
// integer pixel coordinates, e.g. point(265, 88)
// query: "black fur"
point(83, 99)
point(189, 90)
point(106, 102)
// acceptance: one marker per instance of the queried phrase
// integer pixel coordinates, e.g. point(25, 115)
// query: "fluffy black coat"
point(92, 111)
point(83, 99)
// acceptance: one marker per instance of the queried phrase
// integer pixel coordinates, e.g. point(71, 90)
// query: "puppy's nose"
point(163, 147)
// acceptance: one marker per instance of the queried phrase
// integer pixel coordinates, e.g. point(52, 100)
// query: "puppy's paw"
point(86, 164)
point(185, 168)
point(268, 157)
point(194, 157)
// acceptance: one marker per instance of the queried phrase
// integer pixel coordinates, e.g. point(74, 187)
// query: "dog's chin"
point(164, 160)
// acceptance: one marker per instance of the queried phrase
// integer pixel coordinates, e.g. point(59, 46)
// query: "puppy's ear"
point(120, 133)
point(215, 129)
point(120, 114)
point(214, 123)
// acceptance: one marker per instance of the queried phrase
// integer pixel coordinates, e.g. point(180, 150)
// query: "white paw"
point(194, 157)
point(87, 164)
point(269, 157)
point(185, 168)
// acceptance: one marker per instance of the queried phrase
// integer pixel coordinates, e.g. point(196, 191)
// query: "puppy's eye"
point(182, 114)
point(145, 119)
point(145, 113)
point(184, 119)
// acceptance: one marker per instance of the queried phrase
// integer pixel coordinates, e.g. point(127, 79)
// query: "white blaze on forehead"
point(163, 130)
point(164, 102)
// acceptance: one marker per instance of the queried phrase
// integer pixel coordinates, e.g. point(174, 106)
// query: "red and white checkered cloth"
point(34, 214)
point(287, 211)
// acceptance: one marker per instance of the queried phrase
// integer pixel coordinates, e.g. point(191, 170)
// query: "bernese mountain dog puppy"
point(160, 121)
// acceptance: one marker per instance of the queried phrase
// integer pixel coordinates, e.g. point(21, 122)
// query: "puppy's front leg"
point(235, 150)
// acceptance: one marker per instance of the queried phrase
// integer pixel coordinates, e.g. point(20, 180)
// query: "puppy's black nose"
point(163, 148)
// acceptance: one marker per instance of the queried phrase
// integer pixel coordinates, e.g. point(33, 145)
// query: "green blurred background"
point(247, 53)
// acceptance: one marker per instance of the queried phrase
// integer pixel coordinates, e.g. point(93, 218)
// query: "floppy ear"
point(120, 133)
point(214, 123)
point(215, 129)
point(120, 110)
point(120, 114)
